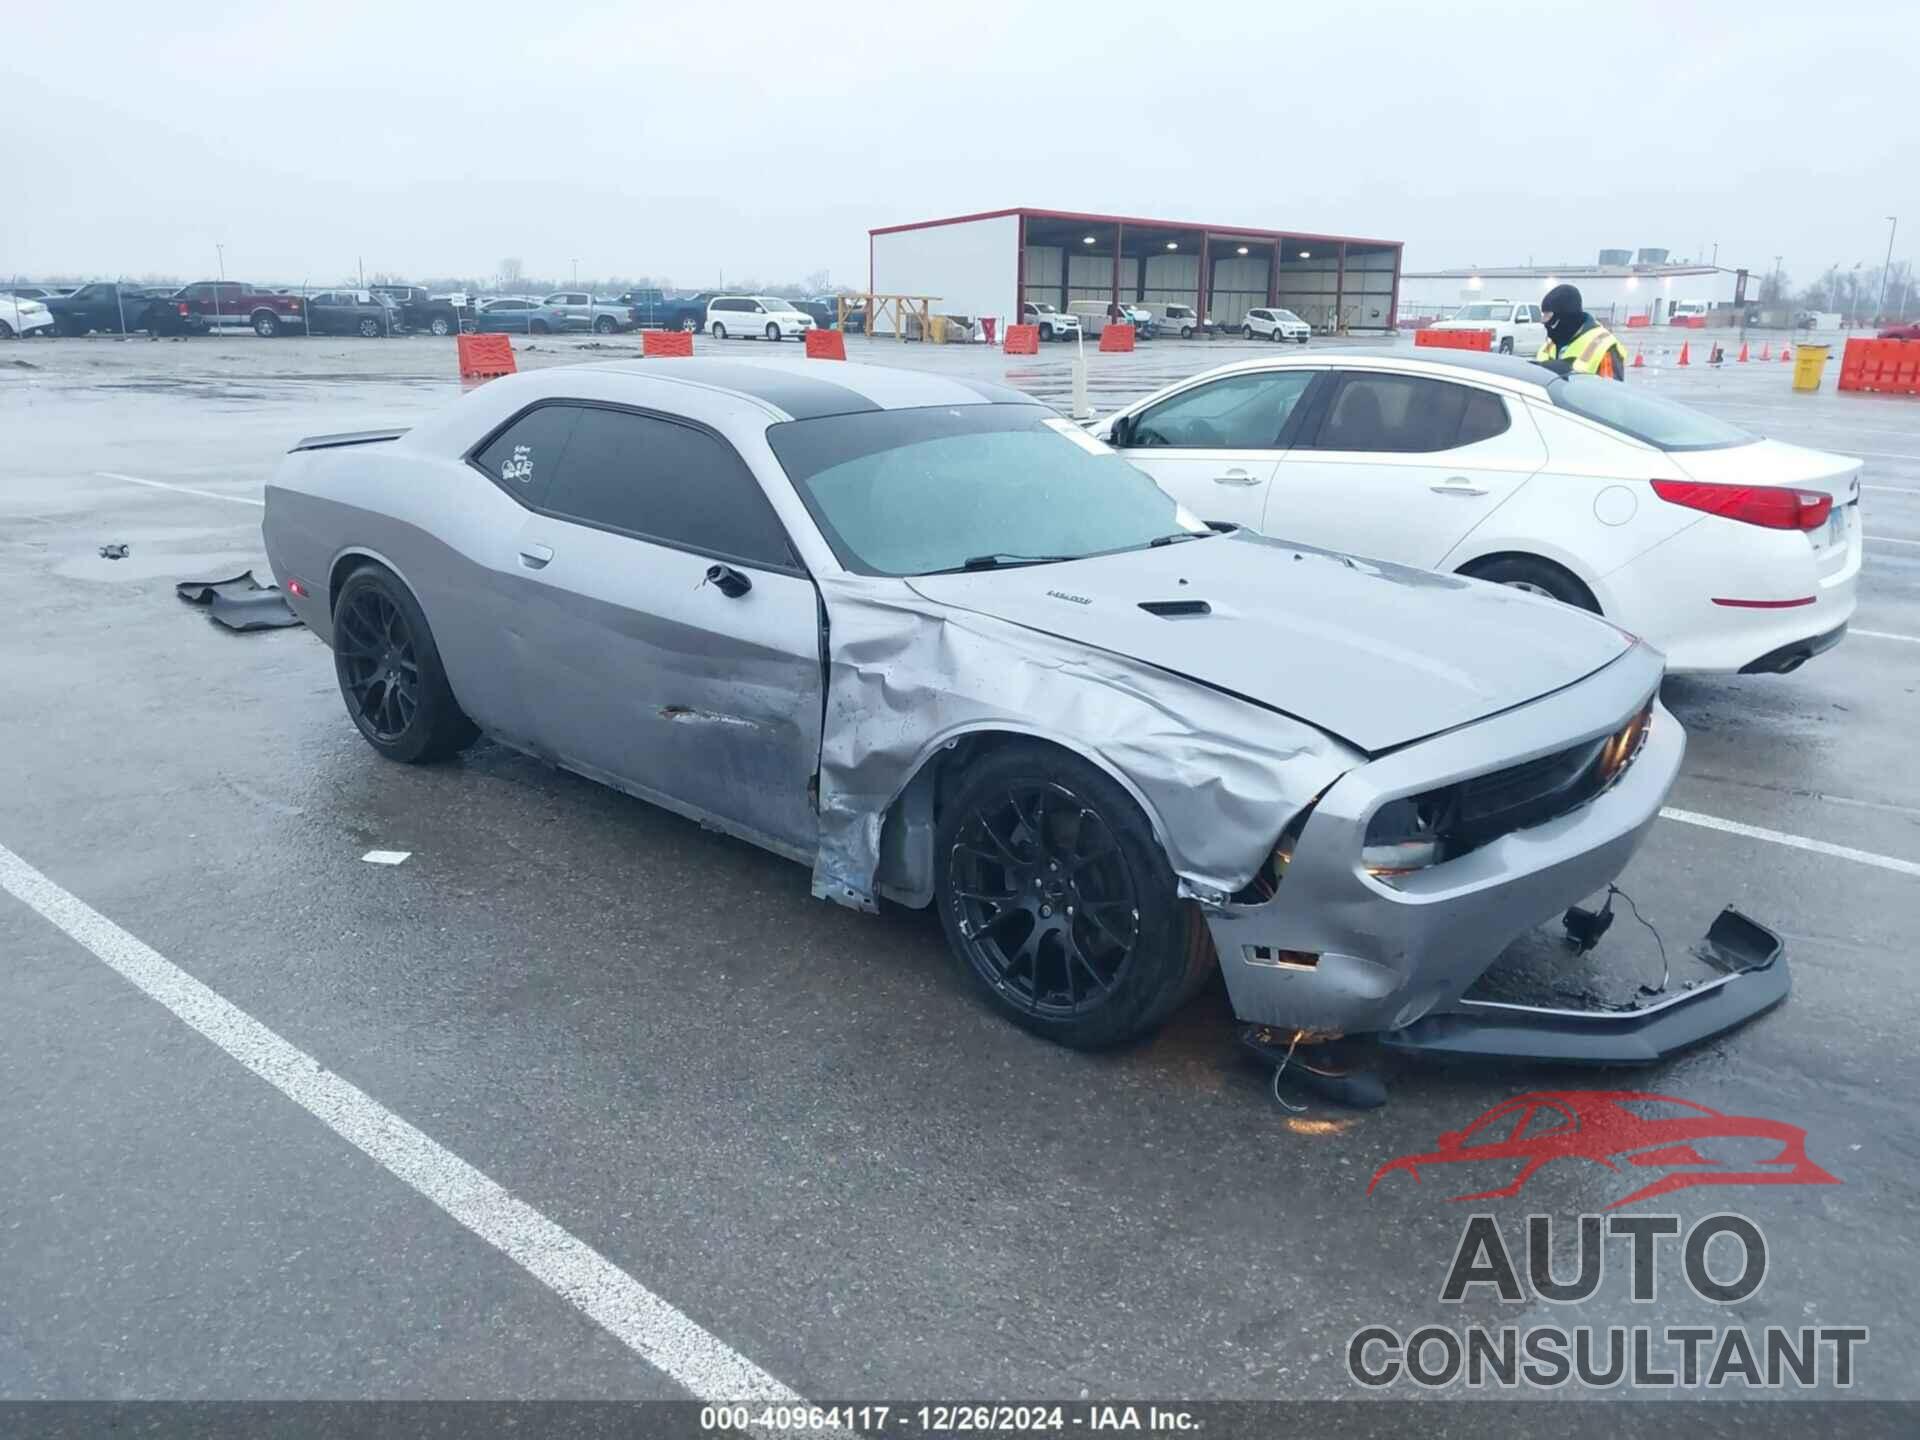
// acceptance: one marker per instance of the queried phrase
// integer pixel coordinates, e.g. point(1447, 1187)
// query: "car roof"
point(800, 391)
point(1508, 372)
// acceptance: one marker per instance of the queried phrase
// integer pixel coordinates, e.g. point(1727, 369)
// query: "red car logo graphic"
point(1622, 1128)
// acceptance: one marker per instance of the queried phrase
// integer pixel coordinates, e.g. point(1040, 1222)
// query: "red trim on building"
point(1028, 212)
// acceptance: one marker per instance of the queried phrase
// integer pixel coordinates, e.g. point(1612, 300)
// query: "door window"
point(1403, 414)
point(522, 458)
point(1241, 412)
point(665, 481)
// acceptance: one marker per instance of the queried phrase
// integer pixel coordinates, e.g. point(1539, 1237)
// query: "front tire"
point(773, 333)
point(1186, 332)
point(1537, 577)
point(266, 325)
point(390, 673)
point(6, 331)
point(1046, 332)
point(1058, 903)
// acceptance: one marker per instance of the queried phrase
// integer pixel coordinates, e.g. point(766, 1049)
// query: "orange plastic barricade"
point(1885, 367)
point(1639, 322)
point(665, 343)
point(482, 357)
point(826, 345)
point(1116, 340)
point(1455, 339)
point(1023, 340)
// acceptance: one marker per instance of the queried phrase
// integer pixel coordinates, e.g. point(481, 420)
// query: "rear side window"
point(523, 458)
point(666, 481)
point(1630, 410)
point(1402, 414)
point(1485, 417)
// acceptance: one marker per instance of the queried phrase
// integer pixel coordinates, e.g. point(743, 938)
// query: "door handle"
point(535, 557)
point(1457, 485)
point(1236, 477)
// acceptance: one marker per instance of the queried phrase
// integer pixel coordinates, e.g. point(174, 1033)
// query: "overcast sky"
point(762, 141)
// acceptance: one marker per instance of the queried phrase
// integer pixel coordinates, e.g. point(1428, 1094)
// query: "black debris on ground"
point(240, 602)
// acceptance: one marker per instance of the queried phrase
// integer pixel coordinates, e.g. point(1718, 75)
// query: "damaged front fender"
point(1218, 776)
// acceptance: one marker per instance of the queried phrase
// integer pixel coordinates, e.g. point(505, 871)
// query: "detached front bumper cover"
point(1756, 979)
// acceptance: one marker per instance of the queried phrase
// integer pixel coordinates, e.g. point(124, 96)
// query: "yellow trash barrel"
point(1808, 362)
point(938, 325)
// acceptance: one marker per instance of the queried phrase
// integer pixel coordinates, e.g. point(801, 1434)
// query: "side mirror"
point(1119, 431)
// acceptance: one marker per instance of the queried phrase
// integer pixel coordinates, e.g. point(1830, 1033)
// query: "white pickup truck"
point(1516, 326)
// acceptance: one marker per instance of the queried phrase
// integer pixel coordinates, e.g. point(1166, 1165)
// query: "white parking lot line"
point(1889, 540)
point(649, 1326)
point(1798, 842)
point(182, 489)
point(1884, 635)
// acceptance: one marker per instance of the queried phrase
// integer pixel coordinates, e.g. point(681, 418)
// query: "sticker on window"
point(520, 467)
point(1079, 437)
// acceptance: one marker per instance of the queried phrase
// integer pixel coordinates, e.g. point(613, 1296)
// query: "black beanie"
point(1564, 300)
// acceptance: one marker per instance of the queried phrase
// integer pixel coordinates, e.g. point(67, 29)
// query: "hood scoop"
point(1177, 609)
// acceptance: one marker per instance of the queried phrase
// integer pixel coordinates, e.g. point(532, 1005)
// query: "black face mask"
point(1562, 328)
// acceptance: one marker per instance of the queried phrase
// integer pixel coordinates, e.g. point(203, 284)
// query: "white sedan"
point(1730, 552)
point(19, 316)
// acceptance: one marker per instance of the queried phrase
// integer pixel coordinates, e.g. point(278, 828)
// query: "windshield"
point(1630, 410)
point(1483, 312)
point(910, 492)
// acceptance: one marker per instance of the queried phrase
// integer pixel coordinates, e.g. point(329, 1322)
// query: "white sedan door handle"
point(535, 557)
point(1457, 485)
point(1236, 476)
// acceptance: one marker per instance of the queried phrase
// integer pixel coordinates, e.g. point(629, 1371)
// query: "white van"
point(1182, 321)
point(749, 316)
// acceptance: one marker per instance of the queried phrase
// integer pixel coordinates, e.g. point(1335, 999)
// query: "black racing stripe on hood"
point(801, 396)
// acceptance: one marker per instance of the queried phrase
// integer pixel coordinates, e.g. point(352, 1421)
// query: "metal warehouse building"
point(1614, 293)
point(992, 263)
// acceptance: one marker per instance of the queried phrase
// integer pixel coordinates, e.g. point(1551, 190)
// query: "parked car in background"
point(824, 311)
point(1266, 323)
point(33, 292)
point(686, 312)
point(1729, 552)
point(1131, 752)
point(1184, 321)
point(110, 308)
point(756, 316)
point(1516, 327)
point(424, 313)
point(234, 305)
point(1054, 324)
point(353, 312)
point(1908, 331)
point(582, 310)
point(518, 315)
point(20, 318)
point(646, 309)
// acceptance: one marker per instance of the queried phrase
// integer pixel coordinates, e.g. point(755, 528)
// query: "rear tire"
point(1247, 330)
point(605, 325)
point(441, 325)
point(266, 325)
point(390, 674)
point(1538, 577)
point(370, 328)
point(1506, 345)
point(538, 327)
point(1057, 902)
point(719, 331)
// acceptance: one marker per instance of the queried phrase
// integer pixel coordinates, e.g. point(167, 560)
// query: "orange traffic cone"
point(1639, 358)
point(1742, 357)
point(1786, 353)
point(1683, 354)
point(1766, 351)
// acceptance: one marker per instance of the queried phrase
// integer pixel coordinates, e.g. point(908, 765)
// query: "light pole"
point(1880, 305)
point(576, 272)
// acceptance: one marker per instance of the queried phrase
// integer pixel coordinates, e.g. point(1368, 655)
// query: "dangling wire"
point(1280, 1070)
point(1666, 969)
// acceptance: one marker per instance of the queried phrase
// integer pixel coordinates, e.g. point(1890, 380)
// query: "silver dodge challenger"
point(933, 641)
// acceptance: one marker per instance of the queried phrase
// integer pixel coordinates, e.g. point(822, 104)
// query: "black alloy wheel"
point(379, 664)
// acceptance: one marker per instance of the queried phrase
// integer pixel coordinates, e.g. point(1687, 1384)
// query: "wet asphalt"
point(789, 1120)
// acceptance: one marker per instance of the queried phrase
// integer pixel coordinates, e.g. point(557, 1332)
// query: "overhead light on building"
point(1633, 282)
point(1474, 283)
point(1173, 245)
point(1087, 240)
point(1306, 254)
point(1241, 251)
point(1553, 280)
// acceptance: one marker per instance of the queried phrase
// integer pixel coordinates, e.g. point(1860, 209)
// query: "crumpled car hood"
point(1375, 655)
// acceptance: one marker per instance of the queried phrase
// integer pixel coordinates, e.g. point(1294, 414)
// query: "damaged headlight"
point(1407, 834)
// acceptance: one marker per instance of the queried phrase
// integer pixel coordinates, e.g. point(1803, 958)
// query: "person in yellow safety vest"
point(1576, 339)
